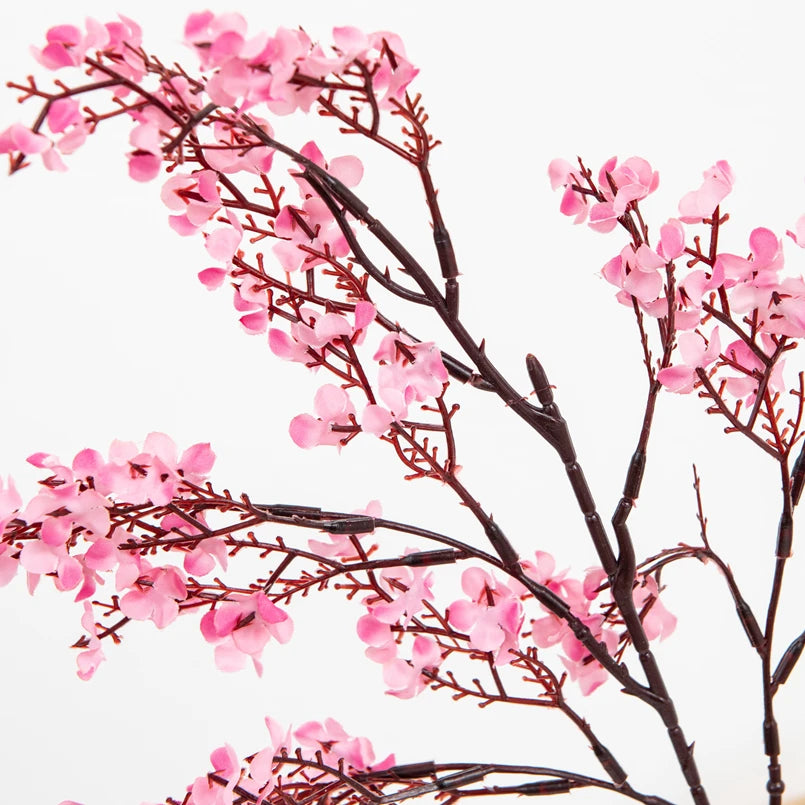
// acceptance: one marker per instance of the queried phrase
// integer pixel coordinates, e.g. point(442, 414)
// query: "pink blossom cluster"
point(581, 597)
point(67, 46)
point(327, 743)
point(303, 230)
point(69, 535)
point(66, 124)
point(284, 71)
point(260, 774)
point(405, 591)
point(269, 69)
point(240, 628)
point(408, 371)
point(750, 284)
point(492, 615)
point(75, 499)
point(310, 226)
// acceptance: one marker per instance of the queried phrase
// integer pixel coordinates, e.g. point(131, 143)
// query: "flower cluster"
point(593, 607)
point(327, 744)
point(241, 627)
point(275, 70)
point(404, 593)
point(750, 286)
point(493, 615)
point(67, 532)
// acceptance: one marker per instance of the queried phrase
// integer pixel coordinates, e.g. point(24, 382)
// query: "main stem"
point(545, 420)
point(771, 736)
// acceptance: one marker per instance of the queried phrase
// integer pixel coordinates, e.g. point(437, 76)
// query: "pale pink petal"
point(306, 431)
point(347, 169)
point(228, 658)
point(376, 420)
point(425, 653)
point(679, 379)
point(182, 225)
point(283, 346)
point(137, 605)
point(252, 638)
point(212, 278)
point(603, 217)
point(268, 610)
point(36, 557)
point(63, 112)
point(463, 614)
point(559, 172)
point(255, 323)
point(373, 632)
point(475, 581)
point(331, 401)
point(143, 167)
point(222, 243)
point(487, 635)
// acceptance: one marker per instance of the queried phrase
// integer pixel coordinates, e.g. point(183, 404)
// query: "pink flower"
point(657, 620)
point(634, 180)
point(588, 673)
point(66, 45)
point(241, 627)
point(310, 226)
point(225, 763)
point(156, 596)
point(89, 660)
point(194, 196)
point(222, 243)
point(409, 371)
point(740, 358)
point(405, 679)
point(696, 352)
point(333, 407)
point(19, 138)
point(332, 741)
point(672, 240)
point(636, 272)
point(492, 617)
point(10, 503)
point(701, 203)
point(408, 588)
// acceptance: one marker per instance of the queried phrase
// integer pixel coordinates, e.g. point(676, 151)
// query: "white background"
point(105, 333)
